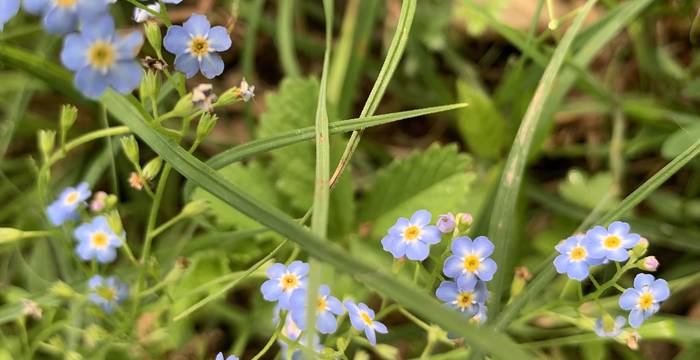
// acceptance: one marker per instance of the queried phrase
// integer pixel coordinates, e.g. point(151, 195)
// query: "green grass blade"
point(502, 229)
point(285, 38)
point(401, 291)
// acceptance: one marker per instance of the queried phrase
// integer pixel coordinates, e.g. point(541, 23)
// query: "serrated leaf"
point(437, 179)
point(293, 106)
point(255, 180)
point(480, 124)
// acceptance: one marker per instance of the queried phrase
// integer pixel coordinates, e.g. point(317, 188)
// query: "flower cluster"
point(98, 238)
point(599, 246)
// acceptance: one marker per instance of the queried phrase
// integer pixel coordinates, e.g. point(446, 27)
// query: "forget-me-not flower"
point(327, 307)
point(292, 331)
point(66, 206)
point(465, 299)
point(220, 356)
point(362, 318)
point(446, 223)
point(612, 243)
point(283, 281)
point(470, 261)
point(196, 46)
point(609, 327)
point(101, 59)
point(107, 293)
point(63, 16)
point(412, 238)
point(8, 9)
point(97, 240)
point(644, 299)
point(575, 257)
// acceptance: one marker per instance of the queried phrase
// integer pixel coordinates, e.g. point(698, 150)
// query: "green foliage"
point(437, 180)
point(481, 124)
point(587, 191)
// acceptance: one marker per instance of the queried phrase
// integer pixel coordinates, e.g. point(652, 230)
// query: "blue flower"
point(644, 299)
point(576, 256)
point(465, 299)
point(97, 240)
point(220, 356)
point(470, 261)
point(66, 206)
point(196, 45)
point(607, 327)
point(612, 243)
point(327, 307)
point(481, 315)
point(108, 292)
point(292, 331)
point(412, 238)
point(63, 16)
point(100, 59)
point(362, 318)
point(283, 281)
point(8, 9)
point(446, 223)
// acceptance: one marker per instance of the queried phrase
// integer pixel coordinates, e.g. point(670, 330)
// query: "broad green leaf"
point(586, 191)
point(405, 293)
point(436, 179)
point(481, 125)
point(255, 180)
point(292, 107)
point(680, 140)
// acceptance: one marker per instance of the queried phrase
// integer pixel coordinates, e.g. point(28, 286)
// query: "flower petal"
point(629, 299)
point(421, 217)
point(483, 247)
point(212, 66)
point(219, 39)
point(176, 40)
point(197, 25)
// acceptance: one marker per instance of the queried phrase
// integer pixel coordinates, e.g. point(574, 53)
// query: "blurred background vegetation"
point(625, 103)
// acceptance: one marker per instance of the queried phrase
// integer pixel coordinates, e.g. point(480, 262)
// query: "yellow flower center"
point(646, 300)
point(199, 46)
point(107, 293)
point(365, 317)
point(72, 198)
point(578, 253)
point(99, 239)
point(612, 242)
point(289, 282)
point(411, 233)
point(471, 263)
point(65, 3)
point(101, 55)
point(322, 304)
point(465, 299)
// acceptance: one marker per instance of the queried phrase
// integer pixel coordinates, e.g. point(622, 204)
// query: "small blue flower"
point(446, 223)
point(362, 318)
point(97, 240)
point(220, 356)
point(609, 327)
point(327, 307)
point(196, 46)
point(283, 281)
point(412, 238)
point(108, 292)
point(465, 299)
point(66, 206)
point(481, 315)
point(63, 16)
point(644, 299)
point(100, 59)
point(292, 331)
point(612, 243)
point(470, 261)
point(576, 256)
point(8, 9)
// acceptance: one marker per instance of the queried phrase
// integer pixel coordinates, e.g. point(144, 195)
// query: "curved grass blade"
point(401, 291)
point(502, 227)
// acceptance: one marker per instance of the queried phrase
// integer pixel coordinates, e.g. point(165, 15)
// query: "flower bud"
point(464, 222)
point(641, 248)
point(149, 85)
point(386, 351)
point(32, 308)
point(205, 126)
point(446, 223)
point(62, 290)
point(115, 222)
point(195, 208)
point(648, 263)
point(94, 335)
point(154, 36)
point(183, 107)
point(111, 201)
point(131, 149)
point(136, 181)
point(10, 234)
point(152, 168)
point(522, 276)
point(47, 141)
point(69, 114)
point(632, 340)
point(98, 201)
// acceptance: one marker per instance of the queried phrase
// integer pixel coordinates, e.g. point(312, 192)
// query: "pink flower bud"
point(649, 263)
